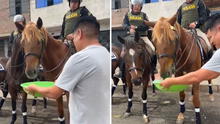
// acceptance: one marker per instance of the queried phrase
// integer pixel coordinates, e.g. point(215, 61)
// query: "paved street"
point(163, 108)
point(43, 116)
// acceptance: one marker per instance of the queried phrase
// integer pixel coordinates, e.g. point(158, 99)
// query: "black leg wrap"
point(113, 90)
point(145, 108)
point(45, 103)
point(154, 88)
point(1, 103)
point(34, 102)
point(14, 118)
point(124, 89)
point(25, 119)
point(182, 106)
point(62, 122)
point(129, 107)
point(198, 118)
point(210, 90)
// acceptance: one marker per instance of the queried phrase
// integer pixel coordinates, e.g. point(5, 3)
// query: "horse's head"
point(166, 35)
point(135, 57)
point(33, 41)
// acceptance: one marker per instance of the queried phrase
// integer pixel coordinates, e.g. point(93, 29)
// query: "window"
point(151, 1)
point(17, 6)
point(117, 5)
point(45, 3)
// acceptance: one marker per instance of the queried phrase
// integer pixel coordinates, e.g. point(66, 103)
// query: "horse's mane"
point(163, 31)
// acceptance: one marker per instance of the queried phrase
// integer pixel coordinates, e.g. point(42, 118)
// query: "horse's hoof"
point(34, 109)
point(146, 119)
point(211, 98)
point(180, 119)
point(190, 98)
point(126, 115)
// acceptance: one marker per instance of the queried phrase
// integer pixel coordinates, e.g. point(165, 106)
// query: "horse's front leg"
point(180, 118)
point(24, 108)
point(130, 95)
point(196, 103)
point(211, 97)
point(13, 94)
point(144, 100)
point(61, 117)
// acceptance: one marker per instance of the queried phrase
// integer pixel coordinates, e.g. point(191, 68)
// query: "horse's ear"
point(172, 20)
point(39, 23)
point(150, 24)
point(121, 40)
point(19, 26)
point(136, 37)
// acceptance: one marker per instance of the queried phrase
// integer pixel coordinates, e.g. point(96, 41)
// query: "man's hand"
point(166, 83)
point(192, 25)
point(31, 89)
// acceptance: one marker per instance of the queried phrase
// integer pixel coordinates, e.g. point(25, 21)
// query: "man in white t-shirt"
point(86, 76)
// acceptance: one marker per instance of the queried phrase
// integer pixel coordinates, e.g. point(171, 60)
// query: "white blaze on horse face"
point(132, 52)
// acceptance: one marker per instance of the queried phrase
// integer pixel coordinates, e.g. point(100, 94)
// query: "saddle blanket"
point(1, 68)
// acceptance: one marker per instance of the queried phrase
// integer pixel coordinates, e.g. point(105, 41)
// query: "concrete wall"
point(53, 15)
point(163, 8)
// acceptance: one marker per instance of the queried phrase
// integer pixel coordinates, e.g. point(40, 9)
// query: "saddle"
point(205, 48)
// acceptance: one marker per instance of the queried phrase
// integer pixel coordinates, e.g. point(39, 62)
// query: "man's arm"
point(191, 78)
point(50, 92)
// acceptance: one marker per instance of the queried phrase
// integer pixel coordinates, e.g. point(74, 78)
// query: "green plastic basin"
point(173, 88)
point(38, 83)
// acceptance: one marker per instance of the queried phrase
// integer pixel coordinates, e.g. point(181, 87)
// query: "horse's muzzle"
point(31, 74)
point(137, 81)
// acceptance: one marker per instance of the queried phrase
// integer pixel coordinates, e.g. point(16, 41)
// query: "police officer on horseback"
point(192, 15)
point(134, 21)
point(17, 33)
point(72, 16)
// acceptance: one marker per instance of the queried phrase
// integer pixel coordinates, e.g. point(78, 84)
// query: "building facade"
point(9, 8)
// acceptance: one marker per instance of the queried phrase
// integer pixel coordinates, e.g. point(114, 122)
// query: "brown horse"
point(42, 48)
point(15, 76)
point(116, 61)
point(178, 53)
point(138, 68)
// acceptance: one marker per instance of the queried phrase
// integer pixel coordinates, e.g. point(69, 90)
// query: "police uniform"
point(194, 11)
point(70, 19)
point(137, 19)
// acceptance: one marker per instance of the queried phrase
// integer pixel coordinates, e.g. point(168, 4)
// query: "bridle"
point(39, 56)
point(177, 49)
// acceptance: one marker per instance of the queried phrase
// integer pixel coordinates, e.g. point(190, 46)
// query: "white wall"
point(53, 15)
point(161, 9)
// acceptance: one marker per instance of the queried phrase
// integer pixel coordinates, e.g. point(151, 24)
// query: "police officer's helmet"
point(19, 18)
point(140, 2)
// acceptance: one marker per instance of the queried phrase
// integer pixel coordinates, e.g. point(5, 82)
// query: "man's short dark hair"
point(89, 25)
point(213, 21)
